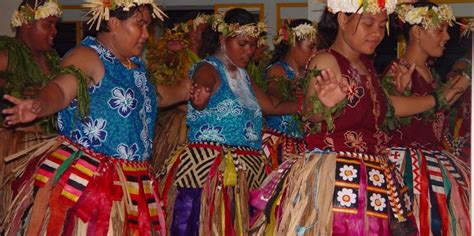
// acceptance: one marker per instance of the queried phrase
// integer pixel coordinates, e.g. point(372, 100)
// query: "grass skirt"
point(69, 190)
point(13, 141)
point(220, 178)
point(439, 189)
point(170, 132)
point(332, 194)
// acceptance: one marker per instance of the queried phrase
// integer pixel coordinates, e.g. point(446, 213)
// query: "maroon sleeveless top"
point(419, 133)
point(357, 128)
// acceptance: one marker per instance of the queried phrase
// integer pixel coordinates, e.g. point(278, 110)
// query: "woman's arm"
point(59, 92)
point(272, 105)
point(328, 87)
point(205, 83)
point(170, 95)
point(412, 105)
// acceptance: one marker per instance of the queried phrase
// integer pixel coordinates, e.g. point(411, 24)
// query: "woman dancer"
point(207, 182)
point(95, 178)
point(27, 63)
point(346, 185)
point(417, 144)
point(294, 45)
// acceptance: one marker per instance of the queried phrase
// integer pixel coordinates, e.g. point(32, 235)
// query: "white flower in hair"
point(46, 10)
point(426, 16)
point(358, 6)
point(27, 14)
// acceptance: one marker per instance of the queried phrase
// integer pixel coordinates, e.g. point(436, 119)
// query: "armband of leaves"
point(284, 87)
point(440, 103)
point(257, 75)
point(389, 86)
point(391, 121)
point(82, 88)
point(317, 107)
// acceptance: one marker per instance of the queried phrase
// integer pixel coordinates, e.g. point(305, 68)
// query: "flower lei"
point(27, 14)
point(235, 29)
point(100, 9)
point(354, 6)
point(427, 17)
point(291, 35)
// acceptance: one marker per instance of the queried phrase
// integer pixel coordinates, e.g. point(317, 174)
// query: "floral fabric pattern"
point(226, 119)
point(122, 112)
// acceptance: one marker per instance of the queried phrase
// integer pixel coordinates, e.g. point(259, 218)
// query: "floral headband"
point(291, 35)
point(425, 16)
point(231, 30)
point(27, 14)
point(359, 6)
point(185, 27)
point(100, 9)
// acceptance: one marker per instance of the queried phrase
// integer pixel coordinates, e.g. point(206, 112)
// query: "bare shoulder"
point(85, 59)
point(205, 71)
point(322, 60)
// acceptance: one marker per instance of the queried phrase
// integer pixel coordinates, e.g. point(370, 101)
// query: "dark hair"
point(121, 14)
point(282, 48)
point(406, 27)
point(211, 37)
point(327, 28)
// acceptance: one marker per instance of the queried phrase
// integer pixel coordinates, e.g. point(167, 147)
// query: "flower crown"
point(425, 16)
point(27, 14)
point(291, 35)
point(255, 30)
point(359, 6)
point(100, 9)
point(186, 27)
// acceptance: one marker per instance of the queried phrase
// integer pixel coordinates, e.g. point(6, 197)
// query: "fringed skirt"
point(439, 189)
point(170, 132)
point(68, 190)
point(206, 188)
point(278, 147)
point(332, 194)
point(11, 142)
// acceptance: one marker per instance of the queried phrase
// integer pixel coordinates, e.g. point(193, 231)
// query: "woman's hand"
point(401, 76)
point(330, 89)
point(23, 111)
point(456, 85)
point(200, 96)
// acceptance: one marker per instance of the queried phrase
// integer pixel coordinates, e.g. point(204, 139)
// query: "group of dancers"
point(212, 136)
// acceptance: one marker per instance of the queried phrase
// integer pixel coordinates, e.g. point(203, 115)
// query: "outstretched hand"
point(23, 111)
point(401, 76)
point(330, 89)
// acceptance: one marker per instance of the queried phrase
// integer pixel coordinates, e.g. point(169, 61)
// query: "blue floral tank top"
point(286, 124)
point(227, 119)
point(123, 110)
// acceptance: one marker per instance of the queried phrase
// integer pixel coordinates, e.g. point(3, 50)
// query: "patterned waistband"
point(364, 156)
point(223, 147)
